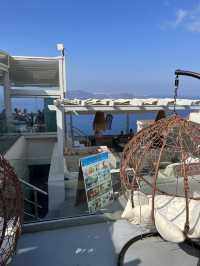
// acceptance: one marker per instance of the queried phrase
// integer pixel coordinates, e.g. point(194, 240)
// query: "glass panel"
point(2, 112)
point(32, 115)
point(53, 187)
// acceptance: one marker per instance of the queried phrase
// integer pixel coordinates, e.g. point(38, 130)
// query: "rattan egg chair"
point(10, 211)
point(163, 162)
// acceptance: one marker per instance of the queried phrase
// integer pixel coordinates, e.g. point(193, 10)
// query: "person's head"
point(131, 131)
point(16, 110)
point(122, 132)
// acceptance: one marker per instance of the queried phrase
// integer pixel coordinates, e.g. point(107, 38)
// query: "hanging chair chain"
point(175, 92)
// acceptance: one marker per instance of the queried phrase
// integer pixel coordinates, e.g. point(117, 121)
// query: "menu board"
point(97, 180)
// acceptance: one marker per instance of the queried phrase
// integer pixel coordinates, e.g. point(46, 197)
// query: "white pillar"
point(62, 70)
point(56, 183)
point(60, 130)
point(62, 77)
point(7, 98)
point(62, 88)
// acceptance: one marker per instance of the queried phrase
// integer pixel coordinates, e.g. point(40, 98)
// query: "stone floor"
point(98, 245)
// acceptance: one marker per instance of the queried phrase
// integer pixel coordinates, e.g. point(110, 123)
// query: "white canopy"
point(30, 71)
point(124, 105)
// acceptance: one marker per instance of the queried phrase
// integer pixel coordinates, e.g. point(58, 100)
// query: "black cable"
point(130, 242)
point(141, 237)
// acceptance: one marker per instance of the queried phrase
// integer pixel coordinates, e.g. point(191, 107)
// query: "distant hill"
point(81, 94)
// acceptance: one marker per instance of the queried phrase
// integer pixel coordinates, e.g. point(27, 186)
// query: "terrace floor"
point(99, 245)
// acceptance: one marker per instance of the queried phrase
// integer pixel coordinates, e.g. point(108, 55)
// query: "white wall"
point(29, 151)
point(25, 152)
point(56, 185)
point(17, 156)
point(39, 150)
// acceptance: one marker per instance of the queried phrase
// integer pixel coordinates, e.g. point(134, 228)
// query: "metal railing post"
point(36, 204)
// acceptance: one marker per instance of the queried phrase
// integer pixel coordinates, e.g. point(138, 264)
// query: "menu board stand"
point(94, 182)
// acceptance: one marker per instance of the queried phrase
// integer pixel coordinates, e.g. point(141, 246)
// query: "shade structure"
point(30, 71)
point(43, 72)
point(167, 150)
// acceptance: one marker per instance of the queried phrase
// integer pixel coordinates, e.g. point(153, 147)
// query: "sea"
point(85, 122)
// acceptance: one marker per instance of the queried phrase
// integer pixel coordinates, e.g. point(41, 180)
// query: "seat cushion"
point(142, 216)
point(167, 229)
point(194, 218)
point(139, 199)
point(173, 210)
point(170, 215)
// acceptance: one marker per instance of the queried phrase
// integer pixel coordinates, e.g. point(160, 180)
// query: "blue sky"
point(111, 45)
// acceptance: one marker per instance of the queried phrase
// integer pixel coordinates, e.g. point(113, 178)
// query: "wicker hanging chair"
point(10, 211)
point(163, 162)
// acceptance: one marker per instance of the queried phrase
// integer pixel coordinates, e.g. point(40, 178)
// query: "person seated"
point(121, 133)
point(131, 133)
point(92, 140)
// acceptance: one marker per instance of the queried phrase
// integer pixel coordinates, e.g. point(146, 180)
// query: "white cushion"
point(139, 199)
point(142, 215)
point(196, 194)
point(171, 169)
point(168, 230)
point(173, 209)
point(170, 215)
point(194, 217)
point(128, 211)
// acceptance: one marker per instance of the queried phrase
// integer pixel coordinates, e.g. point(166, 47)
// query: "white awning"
point(34, 71)
point(124, 105)
point(4, 64)
point(30, 71)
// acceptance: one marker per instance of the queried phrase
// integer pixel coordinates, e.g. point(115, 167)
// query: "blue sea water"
point(84, 122)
